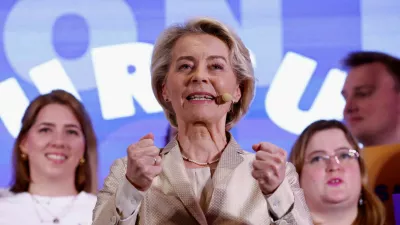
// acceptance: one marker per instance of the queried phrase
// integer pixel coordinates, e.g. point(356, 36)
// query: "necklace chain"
point(56, 218)
point(200, 163)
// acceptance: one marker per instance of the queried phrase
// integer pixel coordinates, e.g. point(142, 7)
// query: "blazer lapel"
point(230, 159)
point(176, 174)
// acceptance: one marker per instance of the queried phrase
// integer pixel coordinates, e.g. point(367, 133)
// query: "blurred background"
point(100, 51)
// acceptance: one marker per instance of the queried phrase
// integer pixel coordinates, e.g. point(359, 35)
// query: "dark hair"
point(86, 174)
point(372, 210)
point(359, 58)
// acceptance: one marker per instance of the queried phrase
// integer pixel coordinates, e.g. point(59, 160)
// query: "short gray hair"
point(239, 54)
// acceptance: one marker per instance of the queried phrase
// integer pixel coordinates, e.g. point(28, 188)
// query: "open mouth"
point(56, 157)
point(200, 97)
point(335, 182)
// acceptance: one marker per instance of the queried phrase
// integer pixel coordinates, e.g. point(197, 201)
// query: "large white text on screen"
point(106, 59)
point(117, 88)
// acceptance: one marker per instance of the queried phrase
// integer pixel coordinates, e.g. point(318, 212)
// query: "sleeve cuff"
point(128, 199)
point(280, 202)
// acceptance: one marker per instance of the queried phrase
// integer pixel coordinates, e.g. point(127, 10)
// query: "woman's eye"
point(217, 67)
point(316, 159)
point(74, 132)
point(44, 130)
point(184, 67)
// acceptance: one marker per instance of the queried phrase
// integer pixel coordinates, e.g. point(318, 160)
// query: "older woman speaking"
point(203, 77)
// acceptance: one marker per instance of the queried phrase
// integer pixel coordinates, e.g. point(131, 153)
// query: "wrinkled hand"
point(144, 163)
point(269, 166)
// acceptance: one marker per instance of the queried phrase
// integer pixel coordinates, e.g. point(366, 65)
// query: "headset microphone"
point(224, 98)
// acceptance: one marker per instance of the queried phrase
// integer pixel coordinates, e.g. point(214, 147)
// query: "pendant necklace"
point(56, 219)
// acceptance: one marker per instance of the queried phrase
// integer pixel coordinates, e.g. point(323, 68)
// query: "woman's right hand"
point(144, 163)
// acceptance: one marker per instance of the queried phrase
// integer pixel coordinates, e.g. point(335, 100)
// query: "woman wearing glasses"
point(333, 176)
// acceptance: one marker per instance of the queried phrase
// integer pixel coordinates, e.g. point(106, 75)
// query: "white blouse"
point(201, 180)
point(25, 208)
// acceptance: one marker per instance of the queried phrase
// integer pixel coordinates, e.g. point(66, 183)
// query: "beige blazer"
point(236, 198)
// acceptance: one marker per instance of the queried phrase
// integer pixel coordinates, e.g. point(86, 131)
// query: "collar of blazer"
point(175, 172)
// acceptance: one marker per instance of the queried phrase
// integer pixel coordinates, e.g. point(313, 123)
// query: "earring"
point(360, 202)
point(82, 161)
point(24, 156)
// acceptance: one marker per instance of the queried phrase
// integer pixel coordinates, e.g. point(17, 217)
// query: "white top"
point(5, 192)
point(201, 180)
point(25, 208)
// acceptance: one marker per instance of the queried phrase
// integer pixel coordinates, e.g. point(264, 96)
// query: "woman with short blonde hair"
point(203, 77)
point(239, 59)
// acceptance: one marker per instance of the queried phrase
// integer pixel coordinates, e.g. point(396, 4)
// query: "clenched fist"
point(144, 163)
point(269, 166)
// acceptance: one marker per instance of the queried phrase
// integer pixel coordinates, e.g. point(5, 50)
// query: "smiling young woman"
point(55, 160)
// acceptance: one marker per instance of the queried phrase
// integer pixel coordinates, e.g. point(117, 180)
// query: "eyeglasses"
point(344, 156)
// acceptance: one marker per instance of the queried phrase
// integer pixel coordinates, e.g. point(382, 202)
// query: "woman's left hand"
point(269, 166)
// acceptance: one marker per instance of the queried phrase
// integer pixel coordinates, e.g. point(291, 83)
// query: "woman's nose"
point(58, 141)
point(200, 76)
point(333, 164)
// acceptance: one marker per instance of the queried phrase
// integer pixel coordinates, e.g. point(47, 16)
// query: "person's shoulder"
point(15, 199)
point(290, 166)
point(5, 192)
point(89, 198)
point(10, 207)
point(121, 161)
point(84, 194)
